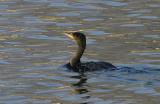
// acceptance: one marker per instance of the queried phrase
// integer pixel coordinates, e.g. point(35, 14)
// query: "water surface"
point(33, 49)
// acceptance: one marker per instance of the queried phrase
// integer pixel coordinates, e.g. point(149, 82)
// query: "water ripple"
point(33, 46)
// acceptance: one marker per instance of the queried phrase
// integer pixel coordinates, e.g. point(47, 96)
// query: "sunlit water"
point(33, 50)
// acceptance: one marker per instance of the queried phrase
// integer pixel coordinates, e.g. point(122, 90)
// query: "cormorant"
point(75, 63)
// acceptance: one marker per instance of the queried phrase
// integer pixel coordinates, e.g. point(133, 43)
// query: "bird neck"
point(76, 59)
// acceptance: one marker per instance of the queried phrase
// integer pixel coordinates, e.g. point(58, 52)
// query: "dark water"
point(33, 47)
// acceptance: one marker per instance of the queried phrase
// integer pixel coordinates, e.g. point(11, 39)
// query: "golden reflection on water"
point(4, 0)
point(11, 10)
point(51, 18)
point(5, 37)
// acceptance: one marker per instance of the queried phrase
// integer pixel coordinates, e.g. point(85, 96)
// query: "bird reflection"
point(80, 88)
point(79, 85)
point(82, 81)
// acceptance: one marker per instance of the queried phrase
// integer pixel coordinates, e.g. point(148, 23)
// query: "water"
point(33, 49)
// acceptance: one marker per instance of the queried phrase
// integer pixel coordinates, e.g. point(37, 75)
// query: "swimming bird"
point(76, 65)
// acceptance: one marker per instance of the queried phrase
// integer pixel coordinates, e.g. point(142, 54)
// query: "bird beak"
point(69, 34)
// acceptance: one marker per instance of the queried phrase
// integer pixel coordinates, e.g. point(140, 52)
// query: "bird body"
point(91, 66)
point(76, 65)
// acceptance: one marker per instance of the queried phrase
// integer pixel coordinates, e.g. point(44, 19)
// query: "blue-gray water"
point(33, 49)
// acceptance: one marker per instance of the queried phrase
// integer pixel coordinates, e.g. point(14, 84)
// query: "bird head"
point(79, 37)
